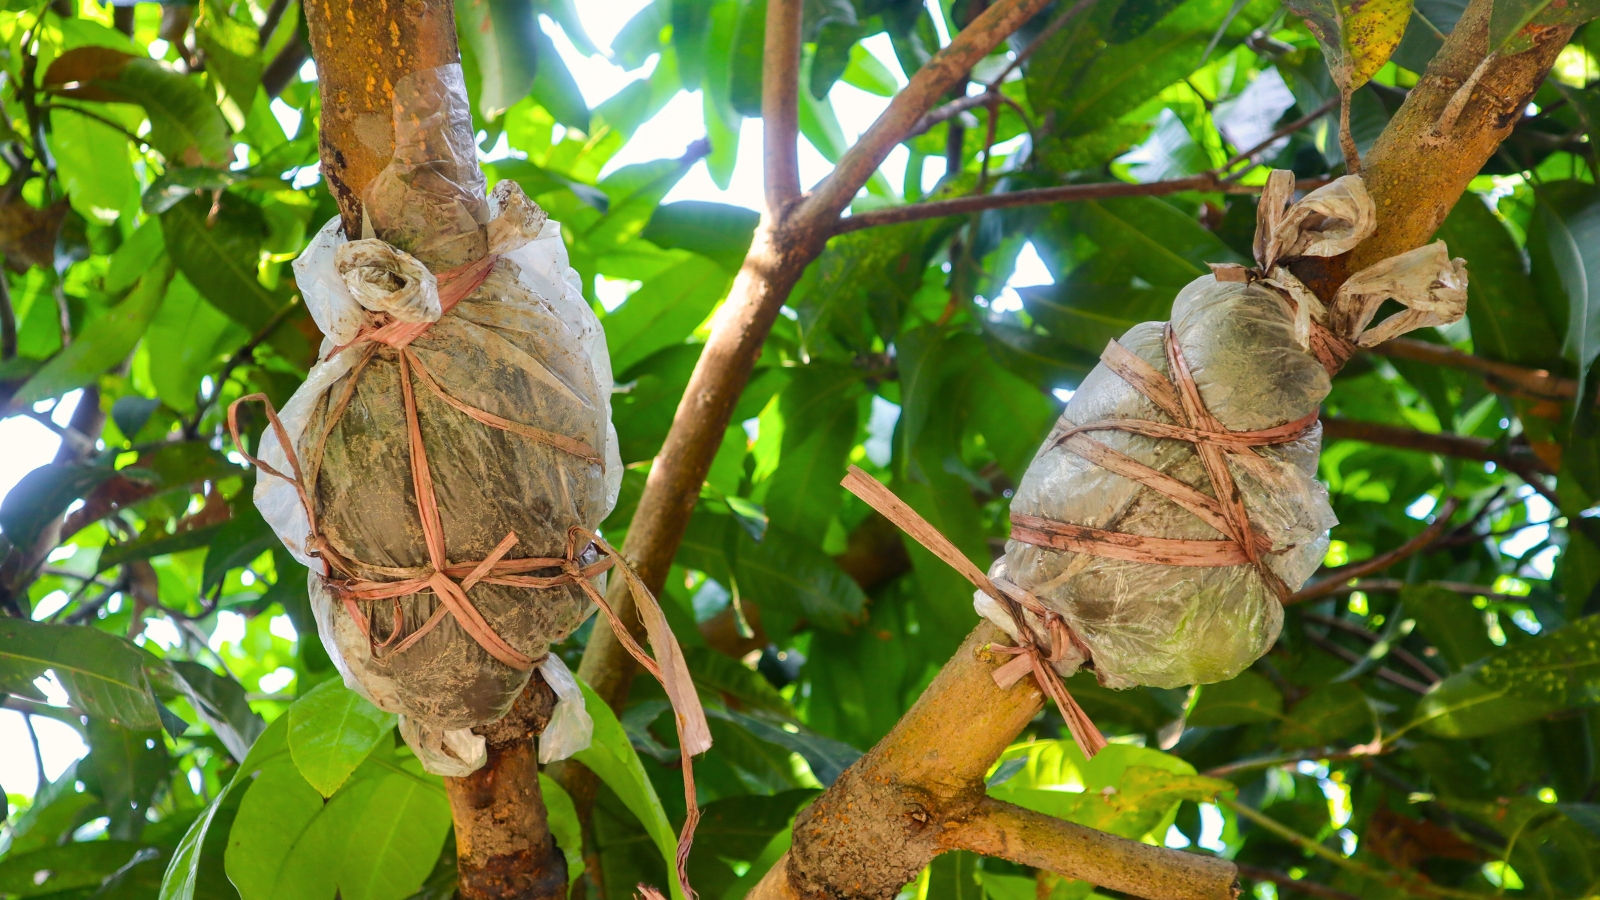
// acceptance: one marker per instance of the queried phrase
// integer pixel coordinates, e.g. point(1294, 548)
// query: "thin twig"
point(1283, 879)
point(1273, 762)
point(1343, 574)
point(109, 123)
point(1390, 585)
point(1398, 652)
point(1351, 656)
point(1455, 445)
point(38, 757)
point(1285, 131)
point(1537, 382)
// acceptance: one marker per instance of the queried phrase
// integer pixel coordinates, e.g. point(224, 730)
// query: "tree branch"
point(780, 104)
point(1345, 574)
point(1281, 879)
point(931, 82)
point(1350, 656)
point(1075, 851)
point(1459, 446)
point(1414, 174)
point(1536, 382)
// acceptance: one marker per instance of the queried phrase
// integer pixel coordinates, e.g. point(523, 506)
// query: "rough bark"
point(504, 848)
point(1414, 173)
point(920, 792)
point(362, 49)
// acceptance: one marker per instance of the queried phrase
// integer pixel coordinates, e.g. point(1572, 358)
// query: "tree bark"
point(362, 49)
point(1416, 174)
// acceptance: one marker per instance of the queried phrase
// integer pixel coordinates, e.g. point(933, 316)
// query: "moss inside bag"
point(444, 466)
point(1175, 506)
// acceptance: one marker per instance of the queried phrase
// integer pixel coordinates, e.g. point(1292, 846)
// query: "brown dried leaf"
point(75, 73)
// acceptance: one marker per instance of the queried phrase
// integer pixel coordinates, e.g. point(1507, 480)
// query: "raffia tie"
point(450, 581)
point(1034, 652)
point(1180, 399)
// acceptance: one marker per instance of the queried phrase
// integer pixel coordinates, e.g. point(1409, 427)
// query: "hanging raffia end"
point(1034, 653)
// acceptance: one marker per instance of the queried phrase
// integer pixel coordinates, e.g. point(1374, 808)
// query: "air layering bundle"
point(1175, 505)
point(445, 464)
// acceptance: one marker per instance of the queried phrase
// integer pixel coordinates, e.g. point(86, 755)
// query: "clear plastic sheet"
point(1246, 346)
point(523, 345)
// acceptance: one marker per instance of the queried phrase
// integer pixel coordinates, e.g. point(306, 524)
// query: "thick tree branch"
point(920, 792)
point(1044, 842)
point(1414, 173)
point(780, 104)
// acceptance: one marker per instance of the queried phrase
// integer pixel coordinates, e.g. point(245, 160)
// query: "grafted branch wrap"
point(1118, 532)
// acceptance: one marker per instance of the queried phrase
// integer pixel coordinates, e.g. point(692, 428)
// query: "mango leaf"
point(1449, 622)
point(93, 163)
point(1504, 325)
point(736, 830)
point(103, 674)
point(125, 768)
point(802, 449)
point(501, 34)
point(786, 576)
point(219, 254)
point(156, 544)
point(1328, 713)
point(221, 703)
point(561, 814)
point(274, 850)
point(1555, 671)
point(716, 231)
point(232, 49)
point(331, 730)
point(386, 827)
point(184, 875)
point(56, 870)
point(186, 126)
point(1566, 232)
point(186, 340)
point(1247, 698)
point(827, 757)
point(664, 311)
point(612, 759)
point(44, 494)
point(54, 811)
point(1514, 25)
point(236, 543)
point(1357, 38)
point(105, 342)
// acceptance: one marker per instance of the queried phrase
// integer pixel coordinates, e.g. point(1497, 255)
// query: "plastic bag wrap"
point(1249, 345)
point(521, 345)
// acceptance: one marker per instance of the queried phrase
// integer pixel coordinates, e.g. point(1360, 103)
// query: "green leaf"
point(1555, 671)
point(52, 814)
point(93, 164)
point(236, 543)
point(1325, 715)
point(561, 815)
point(735, 830)
point(1126, 790)
point(1505, 326)
point(786, 576)
point(554, 87)
point(716, 231)
point(55, 870)
point(664, 311)
point(868, 74)
point(1249, 697)
point(501, 34)
point(222, 705)
point(1449, 622)
point(126, 768)
point(612, 759)
point(157, 544)
point(187, 339)
point(105, 342)
point(274, 850)
point(745, 60)
point(185, 124)
point(219, 257)
point(103, 674)
point(331, 730)
point(232, 49)
point(1357, 36)
point(826, 756)
point(387, 829)
point(803, 446)
point(1566, 232)
point(186, 874)
point(1514, 25)
point(43, 494)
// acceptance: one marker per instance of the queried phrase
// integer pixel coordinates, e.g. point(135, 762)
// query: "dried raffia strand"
point(1033, 653)
point(441, 575)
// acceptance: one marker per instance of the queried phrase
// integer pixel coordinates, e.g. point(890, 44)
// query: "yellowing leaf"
point(1357, 37)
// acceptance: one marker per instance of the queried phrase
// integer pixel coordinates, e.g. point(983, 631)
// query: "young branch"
point(1346, 574)
point(780, 104)
point(1537, 383)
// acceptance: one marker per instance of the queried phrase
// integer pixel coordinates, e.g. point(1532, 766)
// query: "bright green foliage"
point(156, 204)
